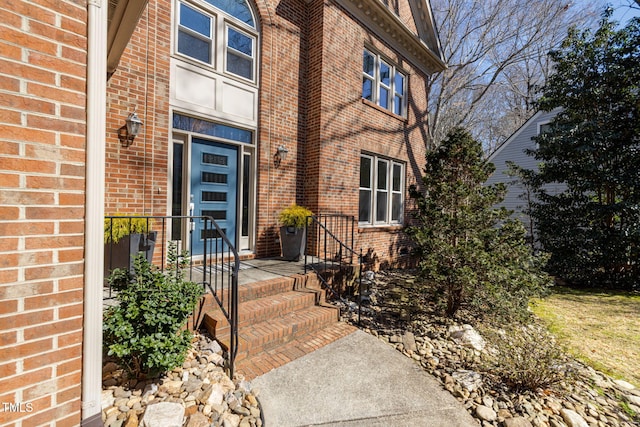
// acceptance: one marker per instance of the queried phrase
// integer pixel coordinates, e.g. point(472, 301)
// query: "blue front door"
point(214, 182)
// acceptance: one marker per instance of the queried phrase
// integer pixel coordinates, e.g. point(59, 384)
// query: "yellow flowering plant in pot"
point(294, 220)
point(125, 236)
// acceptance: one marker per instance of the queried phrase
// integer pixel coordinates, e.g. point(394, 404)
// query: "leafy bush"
point(145, 331)
point(117, 228)
point(524, 358)
point(295, 216)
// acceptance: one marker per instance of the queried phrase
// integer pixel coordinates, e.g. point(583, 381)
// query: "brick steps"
point(279, 320)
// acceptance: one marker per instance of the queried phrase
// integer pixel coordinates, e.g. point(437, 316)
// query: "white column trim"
point(94, 211)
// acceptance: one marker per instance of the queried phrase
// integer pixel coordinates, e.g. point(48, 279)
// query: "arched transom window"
point(221, 34)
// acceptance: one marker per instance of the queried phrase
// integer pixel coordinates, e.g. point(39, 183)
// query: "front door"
point(214, 182)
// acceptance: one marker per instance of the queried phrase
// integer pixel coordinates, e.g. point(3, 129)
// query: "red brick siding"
point(310, 65)
point(136, 176)
point(42, 182)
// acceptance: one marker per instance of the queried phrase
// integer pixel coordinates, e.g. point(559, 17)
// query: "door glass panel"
point(215, 214)
point(214, 196)
point(176, 192)
point(214, 159)
point(214, 178)
point(246, 191)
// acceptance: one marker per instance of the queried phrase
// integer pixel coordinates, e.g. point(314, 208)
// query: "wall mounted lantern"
point(280, 156)
point(130, 130)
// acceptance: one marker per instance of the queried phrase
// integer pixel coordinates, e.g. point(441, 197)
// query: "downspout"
point(94, 212)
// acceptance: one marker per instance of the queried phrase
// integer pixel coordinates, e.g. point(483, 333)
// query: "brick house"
point(223, 88)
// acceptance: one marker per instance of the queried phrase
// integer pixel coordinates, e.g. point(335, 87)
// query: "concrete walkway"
point(357, 381)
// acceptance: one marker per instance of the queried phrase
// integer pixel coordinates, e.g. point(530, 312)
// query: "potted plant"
point(294, 220)
point(124, 238)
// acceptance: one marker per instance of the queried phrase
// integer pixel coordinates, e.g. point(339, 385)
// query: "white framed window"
point(220, 34)
point(381, 200)
point(240, 48)
point(196, 34)
point(383, 84)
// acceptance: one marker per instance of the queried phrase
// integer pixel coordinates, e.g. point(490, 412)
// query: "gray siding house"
point(513, 150)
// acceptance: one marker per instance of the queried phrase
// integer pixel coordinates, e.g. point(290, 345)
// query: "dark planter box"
point(121, 254)
point(293, 241)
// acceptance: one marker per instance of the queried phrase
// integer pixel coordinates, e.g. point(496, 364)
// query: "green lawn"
point(601, 328)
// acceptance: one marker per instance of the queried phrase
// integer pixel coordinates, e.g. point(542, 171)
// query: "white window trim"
point(212, 39)
point(377, 84)
point(237, 52)
point(390, 163)
point(220, 23)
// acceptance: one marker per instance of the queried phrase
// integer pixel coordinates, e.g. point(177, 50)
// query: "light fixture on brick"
point(130, 130)
point(280, 156)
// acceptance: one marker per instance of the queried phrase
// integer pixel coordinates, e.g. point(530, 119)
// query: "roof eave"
point(388, 26)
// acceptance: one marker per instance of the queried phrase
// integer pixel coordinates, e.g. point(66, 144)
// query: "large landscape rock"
point(163, 414)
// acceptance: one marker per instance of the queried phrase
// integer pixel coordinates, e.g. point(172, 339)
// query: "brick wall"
point(136, 176)
point(342, 126)
point(314, 107)
point(42, 158)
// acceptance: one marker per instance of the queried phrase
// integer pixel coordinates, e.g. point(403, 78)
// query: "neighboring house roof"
point(422, 49)
point(513, 150)
point(513, 136)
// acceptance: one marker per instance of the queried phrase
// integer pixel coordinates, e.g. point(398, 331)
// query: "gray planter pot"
point(293, 242)
point(121, 254)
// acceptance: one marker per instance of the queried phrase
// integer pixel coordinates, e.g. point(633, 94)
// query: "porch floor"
point(259, 269)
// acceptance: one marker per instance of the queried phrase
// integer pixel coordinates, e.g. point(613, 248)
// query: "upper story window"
point(220, 34)
point(383, 84)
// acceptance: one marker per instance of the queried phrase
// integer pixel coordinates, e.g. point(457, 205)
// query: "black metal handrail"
point(331, 258)
point(216, 270)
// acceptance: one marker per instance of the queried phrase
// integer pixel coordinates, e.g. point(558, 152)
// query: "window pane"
point(544, 128)
point(396, 207)
point(210, 128)
point(382, 175)
point(397, 177)
point(385, 74)
point(240, 42)
point(195, 20)
point(239, 65)
point(399, 84)
point(368, 63)
point(384, 98)
point(364, 211)
point(236, 8)
point(381, 206)
point(365, 172)
point(194, 47)
point(397, 105)
point(367, 89)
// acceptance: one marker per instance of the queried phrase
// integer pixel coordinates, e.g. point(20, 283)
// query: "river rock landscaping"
point(451, 351)
point(197, 394)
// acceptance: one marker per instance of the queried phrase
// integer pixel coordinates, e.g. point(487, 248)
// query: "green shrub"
point(524, 358)
point(295, 216)
point(117, 228)
point(472, 255)
point(146, 331)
